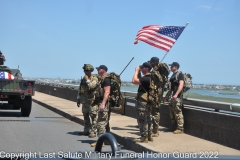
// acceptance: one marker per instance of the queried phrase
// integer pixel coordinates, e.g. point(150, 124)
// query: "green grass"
point(211, 98)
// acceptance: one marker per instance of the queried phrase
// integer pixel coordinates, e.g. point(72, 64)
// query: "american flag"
point(162, 37)
point(6, 75)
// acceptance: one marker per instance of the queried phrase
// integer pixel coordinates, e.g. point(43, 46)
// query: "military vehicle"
point(15, 90)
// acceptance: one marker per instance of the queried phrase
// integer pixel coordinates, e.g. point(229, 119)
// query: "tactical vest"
point(85, 90)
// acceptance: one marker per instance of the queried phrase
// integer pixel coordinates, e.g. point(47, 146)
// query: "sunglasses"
point(86, 70)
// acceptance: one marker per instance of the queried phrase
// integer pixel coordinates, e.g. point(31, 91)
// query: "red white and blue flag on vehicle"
point(162, 37)
point(6, 75)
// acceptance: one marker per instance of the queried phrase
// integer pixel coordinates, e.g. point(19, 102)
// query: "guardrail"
point(230, 107)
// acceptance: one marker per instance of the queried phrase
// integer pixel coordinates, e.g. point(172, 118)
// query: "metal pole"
point(126, 66)
point(167, 52)
point(164, 56)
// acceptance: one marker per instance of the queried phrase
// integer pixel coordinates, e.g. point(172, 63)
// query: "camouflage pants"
point(108, 126)
point(156, 116)
point(176, 116)
point(89, 112)
point(102, 120)
point(144, 118)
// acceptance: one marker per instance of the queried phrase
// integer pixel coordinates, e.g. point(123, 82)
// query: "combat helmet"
point(88, 67)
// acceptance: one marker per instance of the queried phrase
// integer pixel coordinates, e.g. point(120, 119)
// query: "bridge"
point(210, 127)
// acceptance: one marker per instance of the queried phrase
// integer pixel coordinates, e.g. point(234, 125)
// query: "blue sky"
point(55, 38)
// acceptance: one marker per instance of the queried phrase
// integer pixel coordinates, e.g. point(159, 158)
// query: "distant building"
point(56, 81)
point(219, 87)
point(68, 81)
point(237, 88)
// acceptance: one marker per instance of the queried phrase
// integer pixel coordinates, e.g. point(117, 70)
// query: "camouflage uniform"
point(144, 117)
point(176, 116)
point(86, 94)
point(103, 117)
point(155, 119)
point(102, 120)
point(175, 106)
point(109, 115)
point(155, 91)
point(88, 111)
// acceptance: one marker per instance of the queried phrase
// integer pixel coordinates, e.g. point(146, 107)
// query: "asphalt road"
point(43, 132)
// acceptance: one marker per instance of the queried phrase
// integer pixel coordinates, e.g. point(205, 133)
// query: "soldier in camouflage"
point(144, 108)
point(104, 87)
point(156, 108)
point(86, 96)
point(176, 95)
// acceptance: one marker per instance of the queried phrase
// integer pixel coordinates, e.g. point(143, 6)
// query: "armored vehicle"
point(15, 90)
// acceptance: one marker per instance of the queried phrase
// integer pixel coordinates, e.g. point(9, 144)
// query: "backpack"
point(187, 81)
point(164, 71)
point(115, 96)
point(158, 79)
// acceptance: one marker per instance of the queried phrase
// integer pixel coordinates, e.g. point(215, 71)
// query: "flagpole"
point(164, 56)
point(167, 52)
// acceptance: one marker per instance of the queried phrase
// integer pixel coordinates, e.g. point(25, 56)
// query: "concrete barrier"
point(214, 126)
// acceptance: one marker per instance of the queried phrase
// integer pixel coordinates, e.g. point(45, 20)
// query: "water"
point(214, 93)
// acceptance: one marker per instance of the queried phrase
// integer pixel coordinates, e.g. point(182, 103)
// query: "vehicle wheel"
point(26, 106)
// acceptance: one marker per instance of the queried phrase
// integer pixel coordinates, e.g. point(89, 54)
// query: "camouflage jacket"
point(87, 87)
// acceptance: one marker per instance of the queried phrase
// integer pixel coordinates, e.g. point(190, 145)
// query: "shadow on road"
point(76, 133)
point(136, 133)
point(87, 141)
point(132, 126)
point(10, 113)
point(118, 128)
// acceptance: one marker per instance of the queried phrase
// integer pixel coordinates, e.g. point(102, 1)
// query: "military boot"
point(95, 143)
point(150, 137)
point(155, 132)
point(84, 133)
point(92, 135)
point(178, 131)
point(141, 139)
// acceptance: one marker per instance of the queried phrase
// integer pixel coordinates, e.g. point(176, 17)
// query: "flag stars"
point(171, 31)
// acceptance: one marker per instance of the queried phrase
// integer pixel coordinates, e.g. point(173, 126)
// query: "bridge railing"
point(230, 107)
